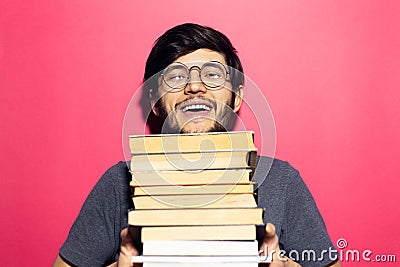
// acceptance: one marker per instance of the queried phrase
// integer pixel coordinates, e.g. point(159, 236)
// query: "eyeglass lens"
point(212, 74)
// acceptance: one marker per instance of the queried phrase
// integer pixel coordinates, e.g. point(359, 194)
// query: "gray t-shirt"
point(94, 238)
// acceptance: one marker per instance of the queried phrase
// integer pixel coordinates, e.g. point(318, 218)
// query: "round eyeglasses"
point(213, 75)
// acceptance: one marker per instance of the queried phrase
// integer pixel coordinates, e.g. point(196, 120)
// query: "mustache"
point(212, 102)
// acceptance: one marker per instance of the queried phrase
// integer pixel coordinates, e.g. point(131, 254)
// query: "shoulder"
point(112, 191)
point(271, 171)
point(112, 186)
point(118, 171)
point(95, 232)
point(277, 182)
point(117, 174)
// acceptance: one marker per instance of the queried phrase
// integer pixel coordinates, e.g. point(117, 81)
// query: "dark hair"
point(186, 38)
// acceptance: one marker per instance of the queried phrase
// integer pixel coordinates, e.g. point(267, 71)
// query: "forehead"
point(201, 55)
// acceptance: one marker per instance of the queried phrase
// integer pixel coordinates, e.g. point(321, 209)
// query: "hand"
point(270, 246)
point(127, 250)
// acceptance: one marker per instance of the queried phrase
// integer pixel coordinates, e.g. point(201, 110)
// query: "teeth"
point(191, 107)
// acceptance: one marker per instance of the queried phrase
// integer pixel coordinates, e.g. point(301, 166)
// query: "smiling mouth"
point(196, 108)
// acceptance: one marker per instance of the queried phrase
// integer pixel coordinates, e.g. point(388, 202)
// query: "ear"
point(238, 98)
point(152, 97)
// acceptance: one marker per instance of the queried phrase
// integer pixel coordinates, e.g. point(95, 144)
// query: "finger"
point(127, 242)
point(126, 237)
point(270, 241)
point(269, 231)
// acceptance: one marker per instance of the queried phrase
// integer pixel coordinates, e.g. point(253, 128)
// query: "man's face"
point(196, 108)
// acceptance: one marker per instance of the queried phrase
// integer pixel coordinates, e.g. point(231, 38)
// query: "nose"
point(195, 85)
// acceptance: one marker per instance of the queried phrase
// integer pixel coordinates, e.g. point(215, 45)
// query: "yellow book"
point(192, 189)
point(201, 201)
point(191, 177)
point(199, 142)
point(193, 161)
point(193, 216)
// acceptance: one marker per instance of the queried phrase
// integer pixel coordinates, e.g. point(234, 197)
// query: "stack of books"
point(194, 200)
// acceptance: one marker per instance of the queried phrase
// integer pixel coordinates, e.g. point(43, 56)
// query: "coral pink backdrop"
point(330, 71)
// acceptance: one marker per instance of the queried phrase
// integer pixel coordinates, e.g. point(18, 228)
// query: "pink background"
point(68, 69)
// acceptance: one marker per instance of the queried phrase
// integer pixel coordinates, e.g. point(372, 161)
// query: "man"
point(194, 84)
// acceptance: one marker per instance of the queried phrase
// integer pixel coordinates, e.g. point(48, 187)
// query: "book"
point(208, 177)
point(200, 248)
point(200, 142)
point(181, 261)
point(142, 190)
point(208, 232)
point(193, 216)
point(194, 201)
point(194, 161)
point(194, 263)
point(239, 200)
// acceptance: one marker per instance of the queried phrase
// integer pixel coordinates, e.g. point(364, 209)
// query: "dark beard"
point(217, 127)
point(226, 122)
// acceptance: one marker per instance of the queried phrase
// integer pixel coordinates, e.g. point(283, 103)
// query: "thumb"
point(270, 241)
point(127, 242)
point(269, 232)
point(127, 249)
